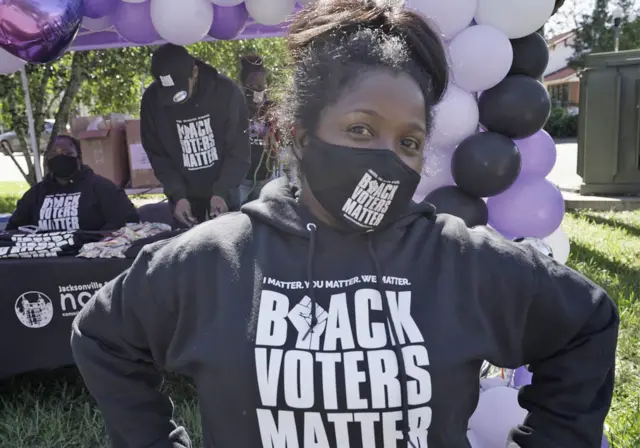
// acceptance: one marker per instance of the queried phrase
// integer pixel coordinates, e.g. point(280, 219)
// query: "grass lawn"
point(53, 410)
point(10, 192)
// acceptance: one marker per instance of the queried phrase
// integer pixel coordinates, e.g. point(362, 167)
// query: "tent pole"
point(32, 125)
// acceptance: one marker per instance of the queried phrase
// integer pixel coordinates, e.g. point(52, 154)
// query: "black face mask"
point(63, 166)
point(361, 188)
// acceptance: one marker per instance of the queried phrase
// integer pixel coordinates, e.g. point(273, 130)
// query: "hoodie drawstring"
point(389, 328)
point(404, 386)
point(311, 227)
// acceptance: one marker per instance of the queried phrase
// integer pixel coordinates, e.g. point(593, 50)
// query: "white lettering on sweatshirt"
point(60, 212)
point(339, 383)
point(197, 142)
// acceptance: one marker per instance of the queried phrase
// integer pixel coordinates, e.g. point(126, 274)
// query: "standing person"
point(194, 125)
point(314, 319)
point(262, 131)
point(72, 196)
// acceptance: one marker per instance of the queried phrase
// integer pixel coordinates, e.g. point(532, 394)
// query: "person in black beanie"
point(262, 134)
point(194, 125)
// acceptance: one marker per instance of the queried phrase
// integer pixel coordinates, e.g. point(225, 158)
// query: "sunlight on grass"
point(53, 410)
point(13, 188)
point(606, 248)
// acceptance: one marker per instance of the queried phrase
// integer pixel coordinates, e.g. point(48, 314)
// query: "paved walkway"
point(564, 172)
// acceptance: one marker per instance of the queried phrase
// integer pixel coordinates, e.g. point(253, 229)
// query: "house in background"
point(562, 81)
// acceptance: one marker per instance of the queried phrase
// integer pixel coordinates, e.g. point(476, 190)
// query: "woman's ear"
point(300, 141)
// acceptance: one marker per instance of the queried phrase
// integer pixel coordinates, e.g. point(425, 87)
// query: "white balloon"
point(515, 18)
point(100, 24)
point(436, 172)
point(455, 118)
point(560, 245)
point(481, 57)
point(450, 16)
point(497, 413)
point(270, 12)
point(182, 22)
point(226, 2)
point(9, 63)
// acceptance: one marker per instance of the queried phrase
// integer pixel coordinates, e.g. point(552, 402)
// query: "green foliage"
point(114, 80)
point(8, 203)
point(118, 77)
point(561, 124)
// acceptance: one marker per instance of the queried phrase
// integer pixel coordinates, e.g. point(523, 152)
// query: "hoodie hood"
point(278, 207)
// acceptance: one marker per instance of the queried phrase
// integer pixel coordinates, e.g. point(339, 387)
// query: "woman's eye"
point(360, 130)
point(410, 144)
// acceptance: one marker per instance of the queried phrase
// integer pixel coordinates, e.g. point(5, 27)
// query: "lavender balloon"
point(94, 9)
point(228, 21)
point(133, 23)
point(39, 30)
point(538, 154)
point(522, 377)
point(531, 207)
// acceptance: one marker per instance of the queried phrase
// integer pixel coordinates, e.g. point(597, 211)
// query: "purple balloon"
point(538, 154)
point(531, 207)
point(132, 22)
point(228, 21)
point(95, 9)
point(522, 377)
point(39, 31)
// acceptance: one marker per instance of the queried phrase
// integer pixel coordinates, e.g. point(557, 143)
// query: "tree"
point(112, 80)
point(52, 88)
point(595, 31)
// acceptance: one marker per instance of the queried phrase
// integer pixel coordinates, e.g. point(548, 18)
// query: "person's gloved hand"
point(217, 206)
point(183, 213)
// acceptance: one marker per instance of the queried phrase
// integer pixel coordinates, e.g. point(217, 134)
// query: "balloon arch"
point(488, 157)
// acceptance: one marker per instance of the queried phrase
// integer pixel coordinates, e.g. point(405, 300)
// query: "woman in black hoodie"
point(72, 196)
point(334, 311)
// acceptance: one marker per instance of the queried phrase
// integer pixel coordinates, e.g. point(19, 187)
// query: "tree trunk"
point(39, 114)
point(22, 138)
point(75, 82)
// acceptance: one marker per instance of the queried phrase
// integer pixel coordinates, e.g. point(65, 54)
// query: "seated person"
point(72, 196)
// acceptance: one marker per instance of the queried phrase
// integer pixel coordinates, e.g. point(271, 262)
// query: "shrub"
point(8, 203)
point(561, 124)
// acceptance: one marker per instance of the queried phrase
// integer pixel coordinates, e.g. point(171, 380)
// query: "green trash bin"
point(609, 124)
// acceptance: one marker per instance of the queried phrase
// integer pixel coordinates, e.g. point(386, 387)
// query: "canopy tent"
point(100, 40)
point(87, 40)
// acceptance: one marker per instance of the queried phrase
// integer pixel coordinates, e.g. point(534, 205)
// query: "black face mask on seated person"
point(63, 166)
point(362, 189)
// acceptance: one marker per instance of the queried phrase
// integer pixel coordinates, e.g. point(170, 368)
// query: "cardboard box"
point(103, 144)
point(142, 175)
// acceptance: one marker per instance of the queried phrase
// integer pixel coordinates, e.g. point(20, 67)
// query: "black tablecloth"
point(38, 300)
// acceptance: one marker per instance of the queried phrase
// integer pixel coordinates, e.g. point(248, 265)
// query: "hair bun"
point(325, 20)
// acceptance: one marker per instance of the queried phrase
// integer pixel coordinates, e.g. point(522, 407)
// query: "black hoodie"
point(229, 304)
point(87, 202)
point(200, 148)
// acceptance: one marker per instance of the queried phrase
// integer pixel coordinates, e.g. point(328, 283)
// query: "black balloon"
point(518, 107)
point(530, 56)
point(453, 201)
point(485, 164)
